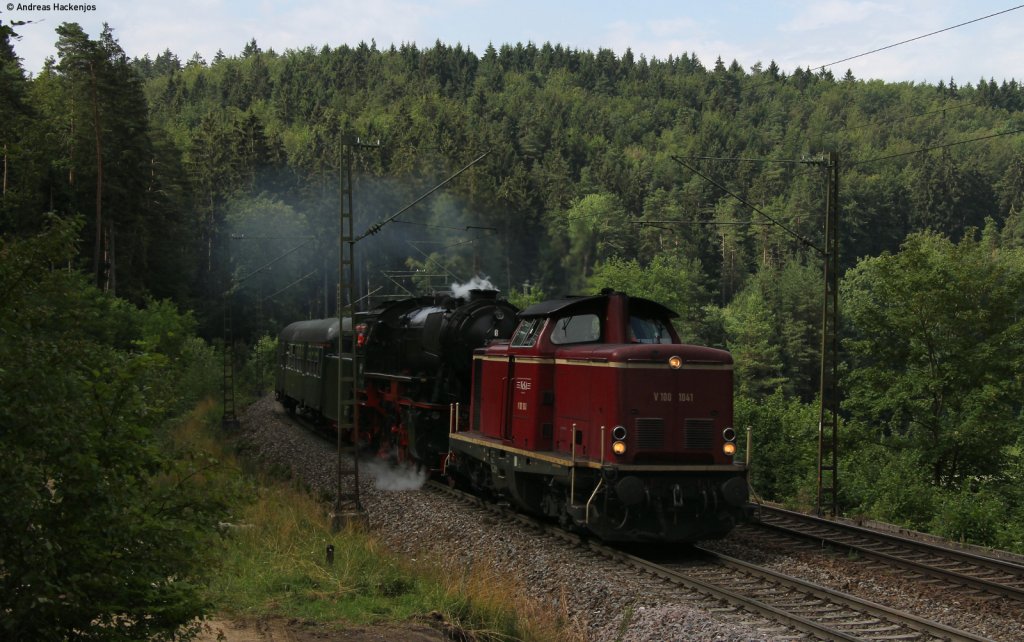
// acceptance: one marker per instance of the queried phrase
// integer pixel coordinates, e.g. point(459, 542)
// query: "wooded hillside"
point(201, 177)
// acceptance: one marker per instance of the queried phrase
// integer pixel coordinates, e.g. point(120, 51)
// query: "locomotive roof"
point(553, 306)
point(313, 330)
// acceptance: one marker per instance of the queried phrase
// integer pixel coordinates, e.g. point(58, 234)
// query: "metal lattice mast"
point(828, 412)
point(347, 506)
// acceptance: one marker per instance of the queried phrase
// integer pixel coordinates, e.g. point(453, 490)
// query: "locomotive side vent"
point(698, 434)
point(650, 433)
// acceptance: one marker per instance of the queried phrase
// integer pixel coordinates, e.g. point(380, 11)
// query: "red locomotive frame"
point(596, 414)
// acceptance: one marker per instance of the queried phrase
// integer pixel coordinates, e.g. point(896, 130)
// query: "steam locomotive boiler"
point(416, 357)
point(414, 361)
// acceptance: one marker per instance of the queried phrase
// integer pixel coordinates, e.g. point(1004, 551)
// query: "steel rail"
point(901, 552)
point(779, 614)
point(884, 614)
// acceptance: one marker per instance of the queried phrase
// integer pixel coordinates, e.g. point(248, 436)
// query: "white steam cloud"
point(388, 476)
point(461, 291)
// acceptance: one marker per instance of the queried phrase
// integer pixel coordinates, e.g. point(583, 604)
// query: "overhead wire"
point(897, 44)
point(900, 119)
point(933, 147)
point(933, 33)
point(890, 121)
point(821, 68)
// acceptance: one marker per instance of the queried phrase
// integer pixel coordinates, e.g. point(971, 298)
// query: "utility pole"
point(828, 388)
point(347, 506)
point(828, 391)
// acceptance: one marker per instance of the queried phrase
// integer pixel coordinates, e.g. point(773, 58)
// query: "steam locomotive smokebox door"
point(433, 327)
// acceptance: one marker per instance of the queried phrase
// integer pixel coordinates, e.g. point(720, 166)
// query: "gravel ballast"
point(603, 601)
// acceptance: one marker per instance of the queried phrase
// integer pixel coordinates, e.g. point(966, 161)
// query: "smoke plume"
point(462, 290)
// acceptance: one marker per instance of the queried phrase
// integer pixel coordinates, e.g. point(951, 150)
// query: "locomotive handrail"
point(600, 482)
point(572, 470)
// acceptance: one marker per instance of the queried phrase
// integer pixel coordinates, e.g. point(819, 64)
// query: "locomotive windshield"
point(580, 328)
point(527, 332)
point(648, 330)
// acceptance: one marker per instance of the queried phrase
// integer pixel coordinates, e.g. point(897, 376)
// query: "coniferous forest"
point(697, 183)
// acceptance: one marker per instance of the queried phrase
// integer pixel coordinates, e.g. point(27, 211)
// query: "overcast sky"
point(805, 34)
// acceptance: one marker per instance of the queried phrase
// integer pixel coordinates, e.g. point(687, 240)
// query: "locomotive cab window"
point(580, 328)
point(645, 330)
point(527, 332)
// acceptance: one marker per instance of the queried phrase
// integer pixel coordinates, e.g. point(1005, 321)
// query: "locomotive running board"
point(566, 461)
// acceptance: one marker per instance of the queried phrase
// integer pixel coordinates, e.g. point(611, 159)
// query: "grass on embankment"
point(273, 564)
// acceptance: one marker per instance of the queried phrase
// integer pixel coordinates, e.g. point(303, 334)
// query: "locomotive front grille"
point(698, 434)
point(650, 433)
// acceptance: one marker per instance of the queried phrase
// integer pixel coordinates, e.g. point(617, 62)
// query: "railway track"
point(818, 611)
point(978, 574)
point(806, 609)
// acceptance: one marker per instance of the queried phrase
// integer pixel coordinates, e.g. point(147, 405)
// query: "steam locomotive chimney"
point(482, 295)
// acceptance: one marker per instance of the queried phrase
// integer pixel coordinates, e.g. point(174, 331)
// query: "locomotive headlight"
point(675, 362)
point(619, 448)
point(729, 448)
point(619, 433)
point(729, 434)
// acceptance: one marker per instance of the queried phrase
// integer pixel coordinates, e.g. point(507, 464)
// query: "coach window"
point(581, 328)
point(526, 333)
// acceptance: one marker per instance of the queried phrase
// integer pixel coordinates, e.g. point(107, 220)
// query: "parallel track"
point(822, 612)
point(978, 573)
point(806, 608)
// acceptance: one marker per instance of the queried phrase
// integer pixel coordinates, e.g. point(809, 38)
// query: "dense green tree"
point(674, 281)
point(561, 123)
point(948, 198)
point(103, 154)
point(21, 174)
point(81, 60)
point(1010, 187)
point(752, 331)
point(272, 249)
point(595, 228)
point(773, 328)
point(105, 534)
point(784, 446)
point(937, 342)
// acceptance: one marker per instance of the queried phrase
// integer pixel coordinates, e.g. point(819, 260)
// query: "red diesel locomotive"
point(591, 412)
point(595, 414)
